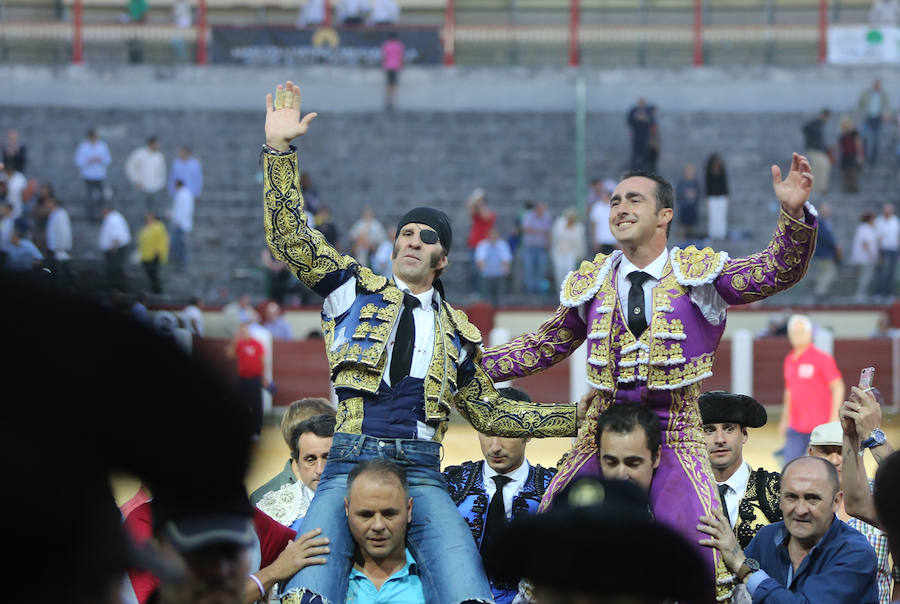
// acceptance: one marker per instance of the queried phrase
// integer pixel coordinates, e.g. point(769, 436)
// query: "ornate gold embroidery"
point(350, 415)
point(369, 281)
point(466, 329)
point(358, 378)
point(697, 265)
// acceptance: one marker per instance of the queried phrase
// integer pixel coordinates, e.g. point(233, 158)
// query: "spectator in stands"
point(536, 228)
point(813, 388)
point(381, 259)
point(717, 197)
point(884, 13)
point(641, 120)
point(749, 497)
point(392, 51)
point(384, 12)
point(629, 443)
point(153, 249)
point(146, 171)
point(817, 151)
point(865, 254)
point(325, 224)
point(311, 13)
point(238, 312)
point(21, 253)
point(192, 317)
point(602, 238)
point(310, 193)
point(310, 443)
point(352, 12)
point(113, 241)
point(810, 556)
point(828, 254)
point(297, 412)
point(137, 10)
point(687, 200)
point(499, 488)
point(188, 170)
point(59, 241)
point(483, 219)
point(493, 257)
point(92, 158)
point(887, 225)
point(182, 216)
point(6, 222)
point(827, 442)
point(379, 511)
point(250, 356)
point(366, 235)
point(567, 248)
point(14, 152)
point(41, 213)
point(15, 185)
point(276, 323)
point(874, 108)
point(852, 155)
point(277, 276)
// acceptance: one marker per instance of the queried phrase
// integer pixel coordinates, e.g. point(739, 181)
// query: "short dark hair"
point(379, 467)
point(664, 193)
point(321, 425)
point(622, 418)
point(830, 470)
point(887, 494)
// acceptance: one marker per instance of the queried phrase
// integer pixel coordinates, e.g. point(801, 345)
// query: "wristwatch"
point(876, 438)
point(749, 566)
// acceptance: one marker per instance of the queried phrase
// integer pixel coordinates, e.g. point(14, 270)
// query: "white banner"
point(863, 45)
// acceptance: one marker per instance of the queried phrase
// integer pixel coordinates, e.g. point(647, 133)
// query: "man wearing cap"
point(827, 442)
point(749, 497)
point(652, 316)
point(501, 487)
point(400, 358)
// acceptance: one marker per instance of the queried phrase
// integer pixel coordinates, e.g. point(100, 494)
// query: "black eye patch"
point(428, 236)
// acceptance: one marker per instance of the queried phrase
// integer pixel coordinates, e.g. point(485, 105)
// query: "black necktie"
point(637, 320)
point(405, 342)
point(723, 488)
point(496, 514)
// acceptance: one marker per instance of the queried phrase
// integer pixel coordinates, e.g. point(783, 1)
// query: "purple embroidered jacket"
point(665, 366)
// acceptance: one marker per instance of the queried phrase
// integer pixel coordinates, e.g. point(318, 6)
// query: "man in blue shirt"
point(379, 510)
point(188, 170)
point(810, 556)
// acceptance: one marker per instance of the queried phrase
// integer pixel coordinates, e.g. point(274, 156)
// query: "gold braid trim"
point(488, 412)
point(306, 252)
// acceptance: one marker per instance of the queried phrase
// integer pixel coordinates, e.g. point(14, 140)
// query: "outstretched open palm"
point(283, 123)
point(794, 190)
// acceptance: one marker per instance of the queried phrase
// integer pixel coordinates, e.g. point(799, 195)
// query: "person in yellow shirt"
point(153, 247)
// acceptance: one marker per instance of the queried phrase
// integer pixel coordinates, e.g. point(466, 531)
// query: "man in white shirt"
point(113, 241)
point(749, 497)
point(887, 225)
point(146, 171)
point(92, 158)
point(15, 185)
point(384, 12)
point(602, 240)
point(59, 241)
point(182, 215)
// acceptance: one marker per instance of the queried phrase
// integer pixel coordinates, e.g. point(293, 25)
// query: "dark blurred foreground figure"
point(94, 392)
point(558, 551)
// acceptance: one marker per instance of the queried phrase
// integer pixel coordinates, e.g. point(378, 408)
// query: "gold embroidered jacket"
point(356, 341)
point(759, 506)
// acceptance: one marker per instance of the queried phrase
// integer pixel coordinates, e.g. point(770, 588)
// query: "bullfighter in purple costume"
point(679, 303)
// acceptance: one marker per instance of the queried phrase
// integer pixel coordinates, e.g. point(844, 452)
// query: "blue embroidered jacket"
point(466, 487)
point(356, 341)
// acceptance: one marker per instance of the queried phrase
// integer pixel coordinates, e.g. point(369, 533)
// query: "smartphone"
point(866, 377)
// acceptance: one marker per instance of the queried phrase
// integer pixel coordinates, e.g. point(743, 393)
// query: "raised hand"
point(283, 123)
point(794, 190)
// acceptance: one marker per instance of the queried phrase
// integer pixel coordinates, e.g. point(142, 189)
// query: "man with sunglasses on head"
point(400, 358)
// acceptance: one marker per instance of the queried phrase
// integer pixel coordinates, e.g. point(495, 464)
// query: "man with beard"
point(400, 359)
point(749, 497)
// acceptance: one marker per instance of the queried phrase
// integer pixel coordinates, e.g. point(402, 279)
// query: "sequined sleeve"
point(482, 406)
point(778, 267)
point(532, 352)
point(304, 249)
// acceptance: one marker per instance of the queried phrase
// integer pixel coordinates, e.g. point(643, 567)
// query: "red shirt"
point(273, 538)
point(481, 225)
point(250, 355)
point(806, 378)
